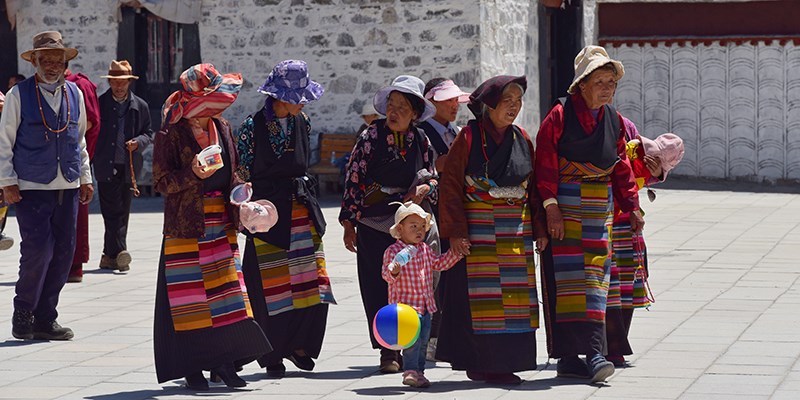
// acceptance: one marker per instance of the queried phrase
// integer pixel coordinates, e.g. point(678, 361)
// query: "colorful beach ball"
point(396, 326)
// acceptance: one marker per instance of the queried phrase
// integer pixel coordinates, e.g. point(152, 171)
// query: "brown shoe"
point(389, 367)
point(123, 261)
point(75, 278)
point(107, 262)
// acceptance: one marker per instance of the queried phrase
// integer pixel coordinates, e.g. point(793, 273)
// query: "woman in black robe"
point(392, 160)
point(490, 212)
point(284, 268)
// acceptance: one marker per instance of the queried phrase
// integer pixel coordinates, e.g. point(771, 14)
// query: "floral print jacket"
point(359, 177)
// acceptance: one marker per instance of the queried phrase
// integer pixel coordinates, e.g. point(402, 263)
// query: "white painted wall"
point(737, 107)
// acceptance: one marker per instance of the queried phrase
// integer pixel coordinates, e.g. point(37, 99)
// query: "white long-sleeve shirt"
point(9, 124)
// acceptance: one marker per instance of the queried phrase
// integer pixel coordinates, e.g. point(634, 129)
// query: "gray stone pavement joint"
point(725, 324)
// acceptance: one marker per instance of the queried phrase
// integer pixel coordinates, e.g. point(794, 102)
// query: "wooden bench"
point(332, 146)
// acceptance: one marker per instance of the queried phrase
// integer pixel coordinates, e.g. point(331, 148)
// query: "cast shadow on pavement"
point(450, 386)
point(18, 343)
point(215, 391)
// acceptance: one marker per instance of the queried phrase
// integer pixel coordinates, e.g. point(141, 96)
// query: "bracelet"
point(432, 187)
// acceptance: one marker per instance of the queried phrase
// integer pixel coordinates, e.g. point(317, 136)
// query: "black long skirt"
point(565, 339)
point(299, 329)
point(618, 325)
point(372, 244)
point(464, 350)
point(178, 354)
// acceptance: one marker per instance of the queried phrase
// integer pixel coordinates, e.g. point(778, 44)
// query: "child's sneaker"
point(410, 378)
point(422, 381)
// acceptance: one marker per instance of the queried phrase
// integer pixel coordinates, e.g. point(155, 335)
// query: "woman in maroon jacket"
point(203, 319)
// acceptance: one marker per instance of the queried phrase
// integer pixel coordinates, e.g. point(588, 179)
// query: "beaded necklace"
point(41, 110)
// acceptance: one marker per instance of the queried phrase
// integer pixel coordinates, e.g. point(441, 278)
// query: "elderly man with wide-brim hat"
point(44, 170)
point(125, 131)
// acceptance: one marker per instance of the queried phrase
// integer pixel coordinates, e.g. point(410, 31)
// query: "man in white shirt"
point(44, 170)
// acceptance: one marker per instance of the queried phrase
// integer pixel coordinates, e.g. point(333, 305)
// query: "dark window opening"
point(159, 51)
point(9, 57)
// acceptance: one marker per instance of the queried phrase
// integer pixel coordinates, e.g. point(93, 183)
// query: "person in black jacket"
point(124, 133)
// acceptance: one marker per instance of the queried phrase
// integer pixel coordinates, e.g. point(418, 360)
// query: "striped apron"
point(582, 260)
point(501, 275)
point(294, 278)
point(204, 278)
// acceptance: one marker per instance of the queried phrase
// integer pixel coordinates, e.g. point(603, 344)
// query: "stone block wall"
point(509, 46)
point(353, 47)
point(91, 28)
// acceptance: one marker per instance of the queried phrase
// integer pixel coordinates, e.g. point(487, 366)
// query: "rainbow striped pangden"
point(396, 326)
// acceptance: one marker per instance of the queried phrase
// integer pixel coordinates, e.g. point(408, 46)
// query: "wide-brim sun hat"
point(406, 209)
point(447, 90)
point(588, 60)
point(404, 84)
point(120, 70)
point(49, 40)
point(289, 83)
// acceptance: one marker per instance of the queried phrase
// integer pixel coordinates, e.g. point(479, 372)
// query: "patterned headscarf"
point(205, 93)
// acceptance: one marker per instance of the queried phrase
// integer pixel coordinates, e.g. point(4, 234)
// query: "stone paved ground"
point(726, 323)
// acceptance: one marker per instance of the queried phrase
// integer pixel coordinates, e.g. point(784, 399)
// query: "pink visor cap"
point(446, 91)
point(667, 147)
point(258, 216)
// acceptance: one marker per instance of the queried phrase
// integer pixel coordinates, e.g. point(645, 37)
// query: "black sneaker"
point(51, 331)
point(600, 368)
point(22, 325)
point(572, 367)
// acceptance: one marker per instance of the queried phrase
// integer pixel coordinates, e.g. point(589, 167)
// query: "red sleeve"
point(534, 201)
point(453, 222)
point(89, 91)
point(546, 157)
point(623, 183)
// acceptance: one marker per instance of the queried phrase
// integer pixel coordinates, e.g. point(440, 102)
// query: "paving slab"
point(725, 323)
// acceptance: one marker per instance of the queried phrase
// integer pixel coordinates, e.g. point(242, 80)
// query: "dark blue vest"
point(39, 152)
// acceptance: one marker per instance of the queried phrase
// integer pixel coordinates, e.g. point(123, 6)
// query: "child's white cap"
point(406, 209)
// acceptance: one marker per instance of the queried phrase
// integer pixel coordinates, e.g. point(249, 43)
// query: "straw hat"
point(590, 59)
point(120, 70)
point(49, 40)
